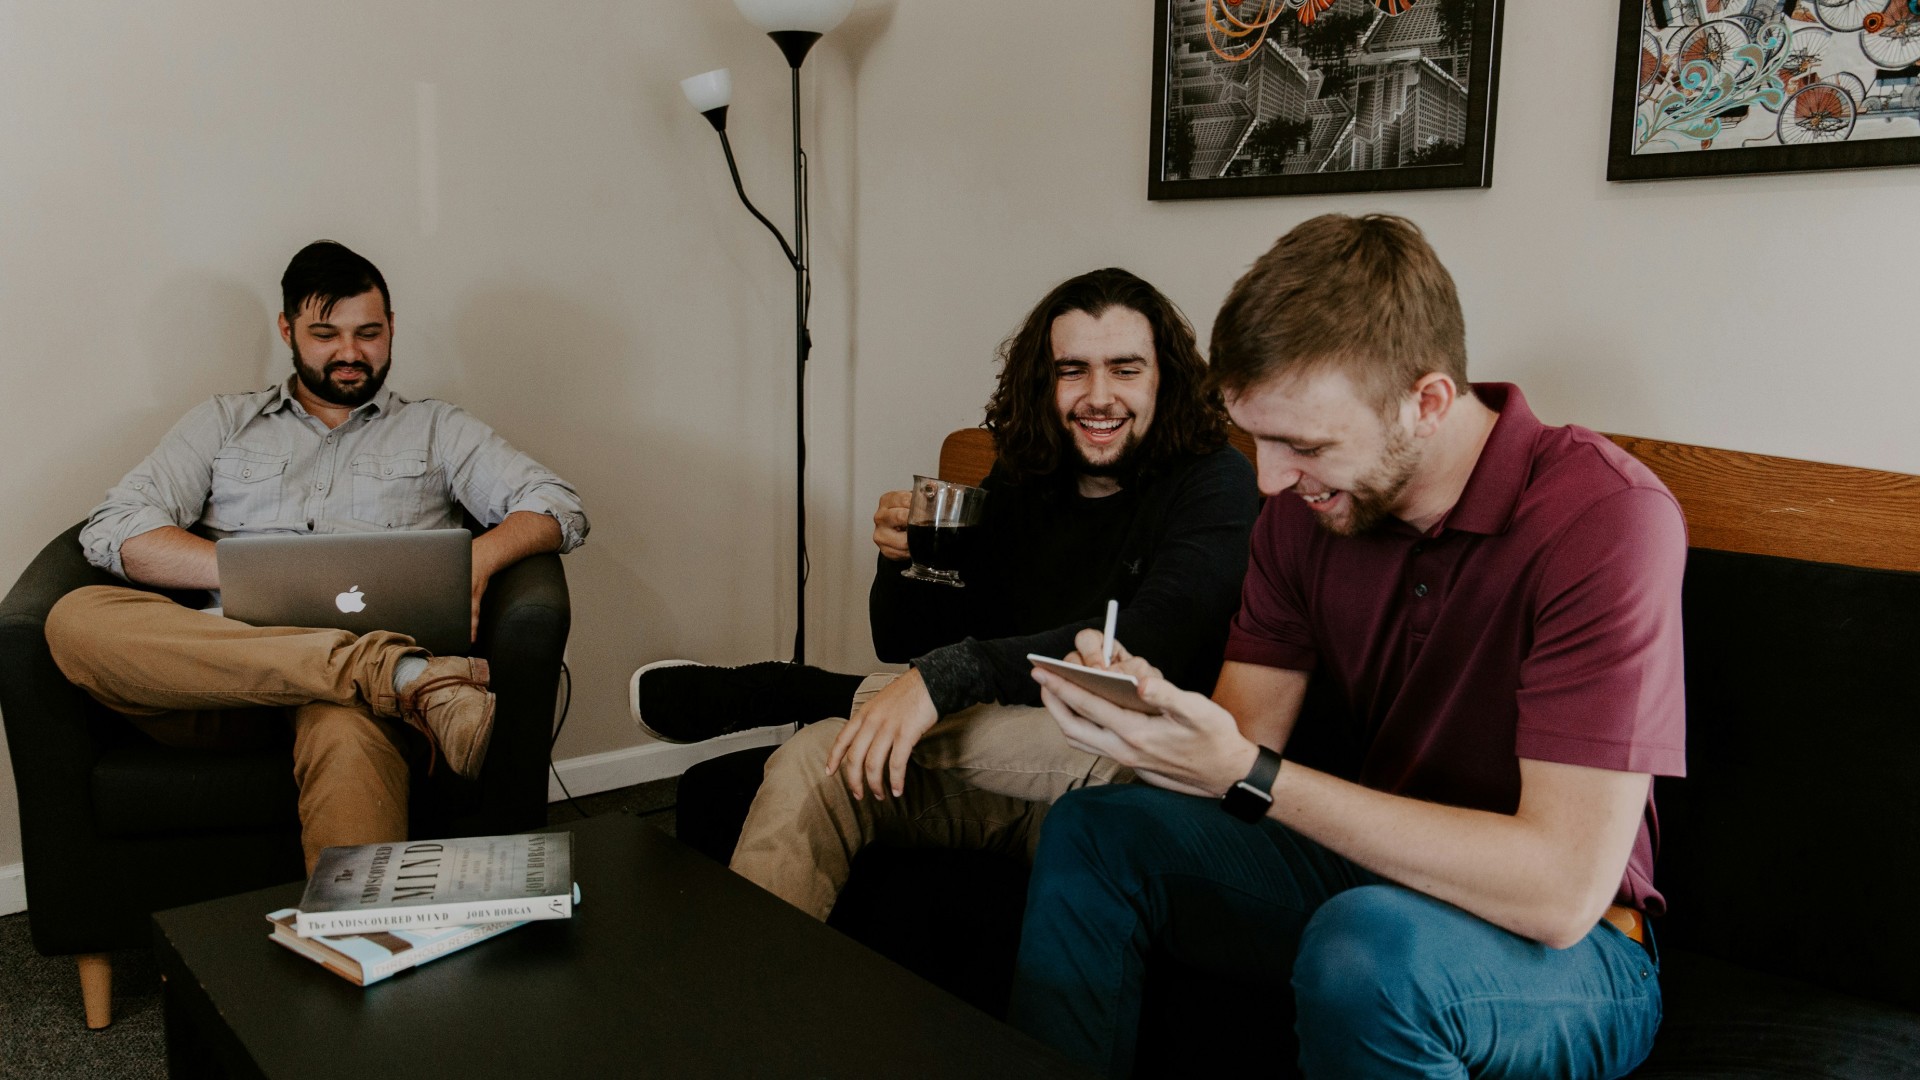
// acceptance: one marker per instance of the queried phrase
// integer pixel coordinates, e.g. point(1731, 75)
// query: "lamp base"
point(794, 43)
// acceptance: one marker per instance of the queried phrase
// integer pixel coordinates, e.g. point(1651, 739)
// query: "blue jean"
point(1387, 982)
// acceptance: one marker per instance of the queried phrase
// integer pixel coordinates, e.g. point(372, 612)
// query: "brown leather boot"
point(450, 703)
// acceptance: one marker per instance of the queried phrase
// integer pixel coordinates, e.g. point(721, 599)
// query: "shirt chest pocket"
point(392, 489)
point(246, 487)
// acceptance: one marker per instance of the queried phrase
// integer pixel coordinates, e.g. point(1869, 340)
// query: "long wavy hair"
point(1028, 434)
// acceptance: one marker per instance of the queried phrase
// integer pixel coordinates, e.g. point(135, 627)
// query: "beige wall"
point(1003, 146)
point(568, 262)
point(567, 259)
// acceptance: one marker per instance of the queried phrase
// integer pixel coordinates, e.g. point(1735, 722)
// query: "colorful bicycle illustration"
point(1889, 29)
point(1704, 78)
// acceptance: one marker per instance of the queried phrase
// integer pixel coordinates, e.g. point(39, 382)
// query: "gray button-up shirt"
point(260, 463)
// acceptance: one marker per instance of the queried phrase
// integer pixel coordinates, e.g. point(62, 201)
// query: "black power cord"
point(566, 703)
point(559, 724)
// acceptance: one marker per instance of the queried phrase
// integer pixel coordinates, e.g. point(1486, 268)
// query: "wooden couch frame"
point(1733, 501)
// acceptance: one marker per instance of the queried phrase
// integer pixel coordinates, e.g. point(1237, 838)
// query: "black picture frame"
point(1624, 164)
point(1475, 169)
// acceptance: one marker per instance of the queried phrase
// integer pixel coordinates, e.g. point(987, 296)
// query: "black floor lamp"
point(794, 25)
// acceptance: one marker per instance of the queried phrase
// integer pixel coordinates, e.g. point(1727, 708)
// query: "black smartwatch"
point(1250, 799)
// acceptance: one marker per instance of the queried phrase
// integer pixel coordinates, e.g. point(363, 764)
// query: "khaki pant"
point(981, 778)
point(192, 678)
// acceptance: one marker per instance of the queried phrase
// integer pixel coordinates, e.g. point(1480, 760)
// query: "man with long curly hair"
point(1114, 480)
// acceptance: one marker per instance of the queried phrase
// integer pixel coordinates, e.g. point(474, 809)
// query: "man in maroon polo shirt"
point(1494, 605)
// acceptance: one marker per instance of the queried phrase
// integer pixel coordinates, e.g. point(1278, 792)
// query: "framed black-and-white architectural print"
point(1712, 87)
point(1290, 97)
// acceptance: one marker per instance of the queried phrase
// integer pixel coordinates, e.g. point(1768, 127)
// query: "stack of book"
point(377, 909)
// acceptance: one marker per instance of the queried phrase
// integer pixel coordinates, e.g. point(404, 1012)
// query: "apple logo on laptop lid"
point(351, 602)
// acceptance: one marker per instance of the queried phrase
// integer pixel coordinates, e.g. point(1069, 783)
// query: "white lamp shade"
point(709, 90)
point(817, 16)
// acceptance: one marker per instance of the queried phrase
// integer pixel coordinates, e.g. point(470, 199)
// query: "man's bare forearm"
point(520, 534)
point(171, 558)
point(1264, 701)
point(1546, 872)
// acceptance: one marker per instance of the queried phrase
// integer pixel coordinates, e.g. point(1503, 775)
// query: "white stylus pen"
point(1106, 641)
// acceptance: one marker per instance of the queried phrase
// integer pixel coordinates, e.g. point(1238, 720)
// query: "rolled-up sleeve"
point(169, 488)
point(492, 479)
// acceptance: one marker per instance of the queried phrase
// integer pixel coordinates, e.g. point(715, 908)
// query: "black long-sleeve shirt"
point(1171, 547)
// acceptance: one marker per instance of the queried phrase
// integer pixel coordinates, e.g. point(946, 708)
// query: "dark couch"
point(1790, 854)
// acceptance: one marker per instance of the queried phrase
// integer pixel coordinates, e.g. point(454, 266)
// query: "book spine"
point(341, 923)
point(338, 963)
point(420, 954)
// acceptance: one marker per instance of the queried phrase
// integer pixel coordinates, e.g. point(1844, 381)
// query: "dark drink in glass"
point(942, 547)
point(943, 527)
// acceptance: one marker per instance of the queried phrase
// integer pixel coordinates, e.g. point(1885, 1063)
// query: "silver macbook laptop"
point(418, 583)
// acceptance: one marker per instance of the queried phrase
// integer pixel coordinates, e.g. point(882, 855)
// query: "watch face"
point(1246, 802)
point(1250, 799)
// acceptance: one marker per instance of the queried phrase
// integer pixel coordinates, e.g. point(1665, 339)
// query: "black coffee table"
point(672, 966)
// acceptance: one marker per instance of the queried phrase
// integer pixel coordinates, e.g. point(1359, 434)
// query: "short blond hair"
point(1366, 295)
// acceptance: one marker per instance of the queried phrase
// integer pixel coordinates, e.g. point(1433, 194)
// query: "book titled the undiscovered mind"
point(365, 959)
point(423, 884)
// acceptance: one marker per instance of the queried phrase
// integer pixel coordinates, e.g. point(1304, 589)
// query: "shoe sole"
point(483, 671)
point(479, 753)
point(479, 670)
point(633, 697)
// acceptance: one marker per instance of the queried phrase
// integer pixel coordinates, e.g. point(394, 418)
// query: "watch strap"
point(1250, 798)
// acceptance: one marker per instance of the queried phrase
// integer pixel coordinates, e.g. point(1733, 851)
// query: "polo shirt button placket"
point(1420, 590)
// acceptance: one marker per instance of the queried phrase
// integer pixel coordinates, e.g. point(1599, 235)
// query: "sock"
point(407, 669)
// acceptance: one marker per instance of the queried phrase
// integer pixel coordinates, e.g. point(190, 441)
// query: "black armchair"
point(115, 826)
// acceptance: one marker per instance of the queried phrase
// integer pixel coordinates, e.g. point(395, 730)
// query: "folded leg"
point(141, 654)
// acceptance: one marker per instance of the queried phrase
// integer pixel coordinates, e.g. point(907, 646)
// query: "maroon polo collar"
point(1492, 493)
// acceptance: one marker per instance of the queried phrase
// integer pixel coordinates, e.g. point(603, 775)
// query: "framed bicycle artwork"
point(1718, 87)
point(1287, 97)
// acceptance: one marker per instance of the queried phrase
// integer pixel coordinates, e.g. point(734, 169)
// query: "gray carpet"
point(43, 1032)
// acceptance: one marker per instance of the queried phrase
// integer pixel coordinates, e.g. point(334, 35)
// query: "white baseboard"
point(639, 764)
point(13, 888)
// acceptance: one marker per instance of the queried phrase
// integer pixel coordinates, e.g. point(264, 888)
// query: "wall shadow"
point(683, 551)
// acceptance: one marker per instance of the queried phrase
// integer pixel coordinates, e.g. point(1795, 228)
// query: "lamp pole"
point(795, 44)
point(794, 25)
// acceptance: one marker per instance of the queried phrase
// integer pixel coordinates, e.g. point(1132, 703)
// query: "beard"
point(320, 382)
point(1121, 464)
point(1371, 498)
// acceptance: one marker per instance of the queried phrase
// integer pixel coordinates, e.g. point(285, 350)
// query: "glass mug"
point(943, 529)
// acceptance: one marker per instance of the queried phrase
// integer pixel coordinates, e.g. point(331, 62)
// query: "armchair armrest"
point(52, 733)
point(59, 569)
point(524, 620)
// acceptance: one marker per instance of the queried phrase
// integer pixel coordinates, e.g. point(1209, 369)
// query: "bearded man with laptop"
point(331, 456)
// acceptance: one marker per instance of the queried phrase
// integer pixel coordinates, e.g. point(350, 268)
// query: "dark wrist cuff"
point(956, 676)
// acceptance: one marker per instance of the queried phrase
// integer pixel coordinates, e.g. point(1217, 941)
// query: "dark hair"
point(1366, 295)
point(1028, 434)
point(328, 272)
